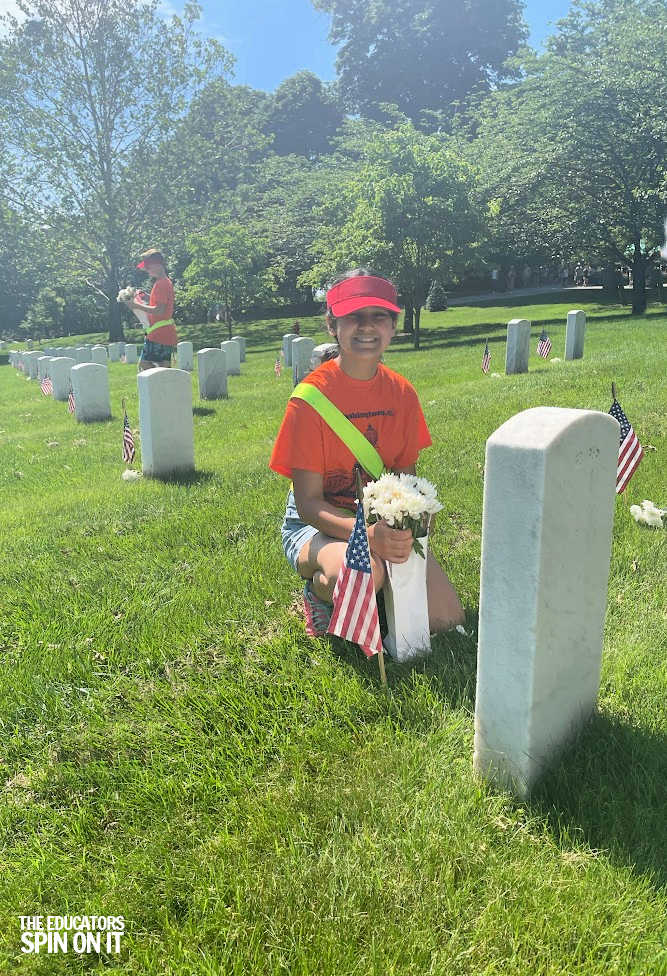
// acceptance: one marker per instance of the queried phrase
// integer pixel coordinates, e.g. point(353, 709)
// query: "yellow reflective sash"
point(354, 440)
point(158, 325)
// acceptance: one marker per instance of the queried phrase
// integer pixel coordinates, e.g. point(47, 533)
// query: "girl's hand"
point(392, 545)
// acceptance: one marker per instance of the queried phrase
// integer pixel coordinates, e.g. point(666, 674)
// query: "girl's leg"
point(444, 607)
point(320, 560)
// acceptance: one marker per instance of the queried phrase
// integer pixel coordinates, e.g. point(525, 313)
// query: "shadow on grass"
point(202, 411)
point(609, 788)
point(450, 669)
point(183, 477)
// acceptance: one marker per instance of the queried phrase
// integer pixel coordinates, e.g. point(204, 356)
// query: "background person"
point(161, 339)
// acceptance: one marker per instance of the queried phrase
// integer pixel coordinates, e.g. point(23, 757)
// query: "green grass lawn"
point(176, 750)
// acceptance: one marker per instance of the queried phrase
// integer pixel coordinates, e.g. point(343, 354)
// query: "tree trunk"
point(408, 318)
point(114, 319)
point(418, 309)
point(638, 282)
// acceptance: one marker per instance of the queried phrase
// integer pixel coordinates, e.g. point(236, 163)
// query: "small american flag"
point(355, 611)
point(544, 345)
point(486, 358)
point(70, 400)
point(46, 386)
point(630, 450)
point(123, 358)
point(128, 441)
point(277, 367)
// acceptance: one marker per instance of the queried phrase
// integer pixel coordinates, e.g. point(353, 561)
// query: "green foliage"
point(405, 211)
point(303, 116)
point(437, 298)
point(45, 316)
point(86, 91)
point(578, 148)
point(421, 57)
point(228, 265)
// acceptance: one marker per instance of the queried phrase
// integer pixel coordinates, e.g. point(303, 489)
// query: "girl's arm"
point(383, 540)
point(153, 309)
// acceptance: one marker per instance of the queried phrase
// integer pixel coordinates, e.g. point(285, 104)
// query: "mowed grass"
point(176, 750)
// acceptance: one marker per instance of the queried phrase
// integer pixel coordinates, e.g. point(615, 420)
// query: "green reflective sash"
point(158, 325)
point(353, 439)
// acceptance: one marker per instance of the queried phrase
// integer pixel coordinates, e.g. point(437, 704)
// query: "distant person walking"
point(161, 339)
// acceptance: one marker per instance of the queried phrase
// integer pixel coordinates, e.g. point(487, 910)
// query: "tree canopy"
point(420, 55)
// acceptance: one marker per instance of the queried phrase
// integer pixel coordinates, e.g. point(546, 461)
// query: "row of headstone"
point(518, 341)
point(549, 492)
point(89, 381)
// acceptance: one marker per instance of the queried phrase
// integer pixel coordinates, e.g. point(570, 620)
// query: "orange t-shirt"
point(385, 409)
point(162, 293)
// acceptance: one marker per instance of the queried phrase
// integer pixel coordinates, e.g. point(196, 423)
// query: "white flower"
point(555, 359)
point(647, 513)
point(130, 475)
point(126, 294)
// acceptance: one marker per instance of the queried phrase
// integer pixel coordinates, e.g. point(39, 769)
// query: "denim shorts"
point(156, 352)
point(295, 532)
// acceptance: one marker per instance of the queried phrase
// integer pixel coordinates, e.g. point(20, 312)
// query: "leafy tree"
point(229, 265)
point(88, 87)
point(572, 159)
point(437, 298)
point(405, 211)
point(303, 116)
point(421, 55)
point(281, 205)
point(45, 317)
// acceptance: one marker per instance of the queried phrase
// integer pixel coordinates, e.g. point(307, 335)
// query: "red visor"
point(142, 264)
point(355, 293)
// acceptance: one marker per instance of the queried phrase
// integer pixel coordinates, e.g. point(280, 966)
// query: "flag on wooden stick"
point(544, 345)
point(128, 440)
point(46, 386)
point(70, 400)
point(277, 368)
point(355, 611)
point(630, 451)
point(486, 358)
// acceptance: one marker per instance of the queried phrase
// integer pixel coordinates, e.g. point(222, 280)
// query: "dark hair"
point(329, 317)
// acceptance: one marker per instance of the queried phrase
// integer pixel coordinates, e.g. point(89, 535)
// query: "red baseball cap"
point(360, 292)
point(152, 255)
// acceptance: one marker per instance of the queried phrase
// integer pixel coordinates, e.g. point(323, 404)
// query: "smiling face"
point(365, 333)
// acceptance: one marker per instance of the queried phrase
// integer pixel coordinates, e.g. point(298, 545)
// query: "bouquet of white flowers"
point(129, 293)
point(126, 294)
point(404, 501)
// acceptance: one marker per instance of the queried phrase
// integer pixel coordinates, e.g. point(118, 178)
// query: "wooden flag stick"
point(383, 675)
point(613, 391)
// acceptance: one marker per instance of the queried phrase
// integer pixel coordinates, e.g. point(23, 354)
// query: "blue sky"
point(272, 39)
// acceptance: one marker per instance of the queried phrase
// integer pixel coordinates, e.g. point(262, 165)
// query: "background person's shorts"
point(156, 352)
point(295, 532)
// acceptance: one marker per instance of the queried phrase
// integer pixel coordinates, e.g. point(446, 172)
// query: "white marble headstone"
point(287, 347)
point(302, 350)
point(212, 373)
point(241, 342)
point(575, 331)
point(59, 371)
point(165, 419)
point(130, 352)
point(90, 383)
point(114, 351)
point(99, 355)
point(549, 491)
point(184, 355)
point(518, 346)
point(232, 351)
